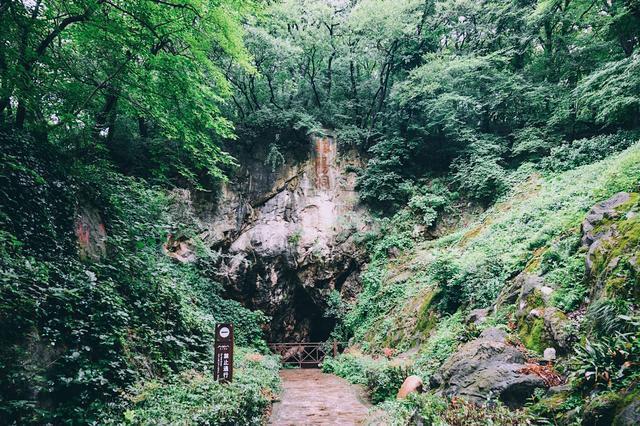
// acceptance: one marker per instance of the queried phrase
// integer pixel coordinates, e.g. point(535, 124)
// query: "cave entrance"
point(310, 316)
point(306, 354)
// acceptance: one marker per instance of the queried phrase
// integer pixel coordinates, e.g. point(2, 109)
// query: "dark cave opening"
point(295, 299)
point(309, 314)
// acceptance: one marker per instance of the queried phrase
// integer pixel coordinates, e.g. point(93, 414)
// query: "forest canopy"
point(425, 88)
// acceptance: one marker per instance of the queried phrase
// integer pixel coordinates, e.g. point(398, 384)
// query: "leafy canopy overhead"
point(134, 70)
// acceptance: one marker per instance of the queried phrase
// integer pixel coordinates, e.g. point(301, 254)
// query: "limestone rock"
point(602, 210)
point(410, 384)
point(286, 236)
point(90, 233)
point(477, 316)
point(488, 367)
point(629, 415)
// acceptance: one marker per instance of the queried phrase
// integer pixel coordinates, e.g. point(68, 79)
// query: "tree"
point(85, 66)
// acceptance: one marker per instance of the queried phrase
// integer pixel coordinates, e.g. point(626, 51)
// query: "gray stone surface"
point(629, 415)
point(487, 368)
point(286, 237)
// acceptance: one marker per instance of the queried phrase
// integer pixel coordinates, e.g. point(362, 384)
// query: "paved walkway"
point(311, 397)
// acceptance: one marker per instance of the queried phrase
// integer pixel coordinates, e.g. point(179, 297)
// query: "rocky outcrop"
point(629, 414)
point(611, 234)
point(410, 385)
point(604, 210)
point(488, 368)
point(90, 233)
point(286, 238)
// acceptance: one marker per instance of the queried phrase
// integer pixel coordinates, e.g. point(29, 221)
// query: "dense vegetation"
point(102, 105)
point(492, 125)
point(464, 90)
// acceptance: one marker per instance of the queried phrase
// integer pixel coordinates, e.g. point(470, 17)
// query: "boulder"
point(605, 209)
point(410, 384)
point(477, 316)
point(600, 410)
point(487, 368)
point(629, 415)
point(558, 329)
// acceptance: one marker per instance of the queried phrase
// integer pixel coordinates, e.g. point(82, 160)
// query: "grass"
point(196, 398)
point(537, 213)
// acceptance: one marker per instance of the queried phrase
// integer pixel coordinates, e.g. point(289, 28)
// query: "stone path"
point(311, 397)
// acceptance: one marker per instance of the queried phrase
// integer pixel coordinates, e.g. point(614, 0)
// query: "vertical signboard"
point(223, 371)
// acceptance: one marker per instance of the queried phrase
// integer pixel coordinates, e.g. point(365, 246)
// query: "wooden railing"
point(305, 354)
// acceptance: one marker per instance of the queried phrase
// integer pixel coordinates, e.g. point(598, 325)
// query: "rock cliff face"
point(287, 237)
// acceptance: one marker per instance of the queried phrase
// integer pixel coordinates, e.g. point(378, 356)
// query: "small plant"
point(295, 237)
point(607, 362)
point(383, 383)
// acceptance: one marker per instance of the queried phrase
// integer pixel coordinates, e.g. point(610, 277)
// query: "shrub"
point(441, 344)
point(383, 383)
point(480, 177)
point(587, 150)
point(607, 362)
point(605, 317)
point(196, 398)
point(76, 333)
point(381, 379)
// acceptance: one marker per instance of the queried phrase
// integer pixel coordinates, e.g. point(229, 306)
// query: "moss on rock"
point(532, 335)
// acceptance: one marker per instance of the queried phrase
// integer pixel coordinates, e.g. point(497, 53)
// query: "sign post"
point(223, 371)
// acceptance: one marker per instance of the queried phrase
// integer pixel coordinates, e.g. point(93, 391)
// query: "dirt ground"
point(311, 397)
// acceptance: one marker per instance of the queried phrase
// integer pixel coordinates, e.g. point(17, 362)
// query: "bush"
point(430, 409)
point(196, 398)
point(76, 333)
point(381, 379)
point(384, 383)
point(481, 178)
point(587, 150)
point(607, 362)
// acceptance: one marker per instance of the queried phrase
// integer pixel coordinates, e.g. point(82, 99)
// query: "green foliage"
point(604, 317)
point(430, 202)
point(440, 345)
point(446, 273)
point(447, 88)
point(383, 384)
point(563, 268)
point(381, 378)
point(78, 333)
point(481, 177)
point(469, 268)
point(150, 82)
point(587, 150)
point(196, 398)
point(608, 362)
point(438, 411)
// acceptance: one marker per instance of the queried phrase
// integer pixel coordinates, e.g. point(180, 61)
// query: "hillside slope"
point(540, 269)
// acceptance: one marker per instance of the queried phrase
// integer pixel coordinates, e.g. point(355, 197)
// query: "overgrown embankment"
point(520, 268)
point(96, 318)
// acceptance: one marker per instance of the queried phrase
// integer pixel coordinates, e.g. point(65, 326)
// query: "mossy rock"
point(614, 255)
point(427, 316)
point(601, 409)
point(550, 405)
point(628, 409)
point(533, 335)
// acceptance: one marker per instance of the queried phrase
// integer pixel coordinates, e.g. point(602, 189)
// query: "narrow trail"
point(311, 397)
